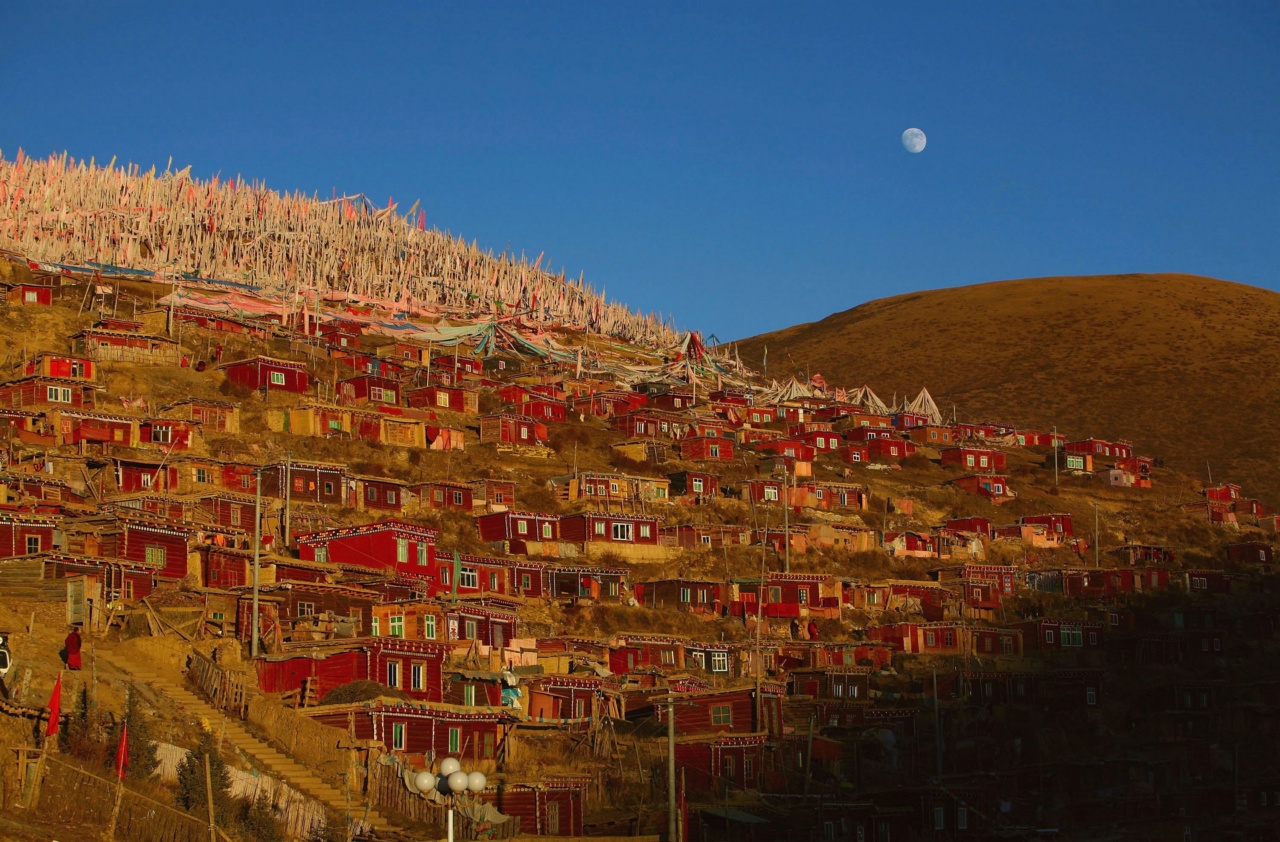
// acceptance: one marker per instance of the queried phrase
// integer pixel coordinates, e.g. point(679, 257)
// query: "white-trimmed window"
point(623, 532)
point(719, 661)
point(58, 394)
point(277, 378)
point(522, 527)
point(468, 578)
point(306, 609)
point(771, 492)
point(157, 555)
point(393, 673)
point(398, 733)
point(417, 676)
point(599, 527)
point(395, 625)
point(402, 550)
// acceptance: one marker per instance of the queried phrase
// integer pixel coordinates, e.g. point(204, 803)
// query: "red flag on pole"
point(122, 751)
point(55, 708)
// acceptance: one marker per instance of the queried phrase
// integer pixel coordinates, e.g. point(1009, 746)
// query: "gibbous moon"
point(913, 140)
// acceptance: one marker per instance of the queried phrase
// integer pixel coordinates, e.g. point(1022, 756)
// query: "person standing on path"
point(72, 644)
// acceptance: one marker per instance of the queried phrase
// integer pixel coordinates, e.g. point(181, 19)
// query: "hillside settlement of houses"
point(119, 499)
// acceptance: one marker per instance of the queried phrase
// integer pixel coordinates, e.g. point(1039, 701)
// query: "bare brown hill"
point(1181, 365)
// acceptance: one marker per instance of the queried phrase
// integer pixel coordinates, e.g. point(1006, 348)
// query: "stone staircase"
point(268, 757)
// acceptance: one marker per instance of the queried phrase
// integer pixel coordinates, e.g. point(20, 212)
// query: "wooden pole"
point(208, 790)
point(115, 811)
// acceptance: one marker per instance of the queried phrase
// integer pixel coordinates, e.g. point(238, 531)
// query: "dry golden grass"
point(1179, 364)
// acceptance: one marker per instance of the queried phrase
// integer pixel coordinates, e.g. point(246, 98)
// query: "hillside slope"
point(1180, 364)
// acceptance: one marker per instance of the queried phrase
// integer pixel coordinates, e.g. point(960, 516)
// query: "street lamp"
point(449, 784)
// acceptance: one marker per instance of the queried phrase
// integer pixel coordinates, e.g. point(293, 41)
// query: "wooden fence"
point(79, 797)
point(228, 690)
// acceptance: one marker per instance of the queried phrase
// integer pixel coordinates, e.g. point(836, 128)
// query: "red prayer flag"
point(55, 708)
point(122, 751)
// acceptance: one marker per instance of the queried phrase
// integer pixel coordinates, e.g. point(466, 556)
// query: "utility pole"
point(1055, 455)
point(786, 521)
point(288, 499)
point(672, 825)
point(257, 558)
point(808, 755)
point(1095, 536)
point(937, 722)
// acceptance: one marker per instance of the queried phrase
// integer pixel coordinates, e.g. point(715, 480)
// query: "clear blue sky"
point(736, 164)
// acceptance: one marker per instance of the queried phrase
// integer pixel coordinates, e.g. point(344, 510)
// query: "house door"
point(553, 818)
point(497, 630)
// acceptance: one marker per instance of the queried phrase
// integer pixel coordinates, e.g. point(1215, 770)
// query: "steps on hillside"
point(276, 762)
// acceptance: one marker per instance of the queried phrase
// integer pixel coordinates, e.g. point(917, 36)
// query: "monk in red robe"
point(72, 644)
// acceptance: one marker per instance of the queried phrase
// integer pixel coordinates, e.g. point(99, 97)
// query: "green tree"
point(142, 743)
point(260, 823)
point(191, 781)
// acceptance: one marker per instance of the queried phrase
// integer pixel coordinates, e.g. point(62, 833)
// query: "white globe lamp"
point(476, 781)
point(449, 765)
point(424, 781)
point(458, 781)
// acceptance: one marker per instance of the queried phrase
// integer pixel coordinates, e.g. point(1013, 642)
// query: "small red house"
point(391, 546)
point(980, 459)
point(369, 389)
point(706, 449)
point(268, 373)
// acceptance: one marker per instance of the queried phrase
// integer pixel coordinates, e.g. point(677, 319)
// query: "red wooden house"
point(889, 450)
point(134, 475)
point(511, 429)
point(62, 366)
point(28, 294)
point(419, 729)
point(451, 398)
point(445, 495)
point(214, 416)
point(787, 447)
point(694, 485)
point(470, 576)
point(707, 535)
point(542, 409)
point(909, 420)
point(649, 424)
point(608, 528)
point(389, 546)
point(1054, 635)
point(550, 806)
point(706, 449)
point(225, 567)
point(126, 346)
point(369, 389)
point(609, 404)
point(632, 651)
point(855, 453)
point(1059, 524)
point(785, 595)
point(1101, 447)
point(980, 459)
point(1251, 552)
point(47, 392)
point(307, 482)
point(155, 543)
point(822, 441)
point(864, 433)
point(268, 373)
point(764, 490)
point(74, 427)
point(493, 493)
point(585, 582)
point(493, 627)
point(673, 401)
point(994, 487)
point(457, 364)
point(26, 534)
point(381, 494)
point(932, 435)
point(168, 433)
point(693, 595)
point(518, 527)
point(119, 580)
